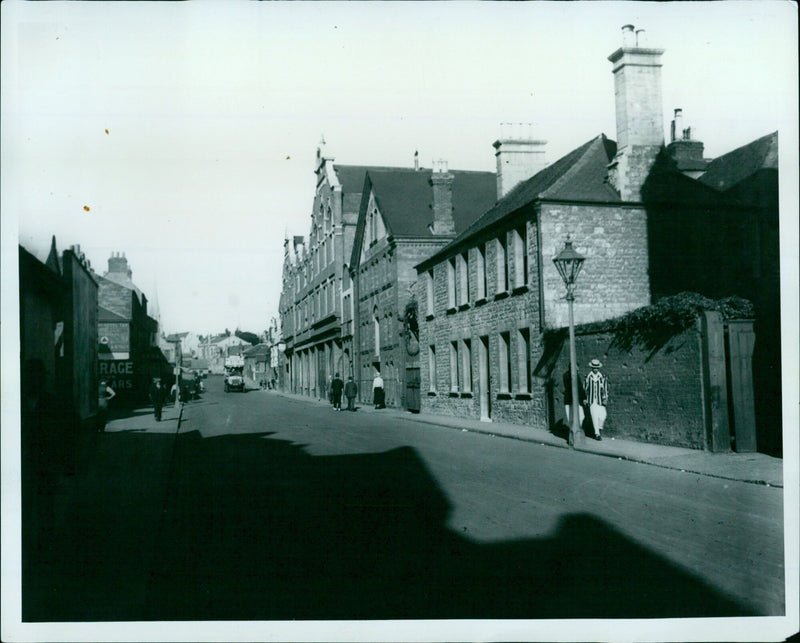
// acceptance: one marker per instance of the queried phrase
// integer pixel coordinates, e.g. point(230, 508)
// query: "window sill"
point(450, 311)
point(501, 295)
point(463, 306)
point(519, 290)
point(454, 394)
point(429, 316)
point(481, 301)
point(431, 393)
point(523, 396)
point(504, 396)
point(466, 395)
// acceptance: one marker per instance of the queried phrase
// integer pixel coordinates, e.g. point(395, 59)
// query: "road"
point(267, 507)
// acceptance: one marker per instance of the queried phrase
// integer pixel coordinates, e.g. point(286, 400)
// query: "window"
point(523, 360)
point(520, 238)
point(451, 283)
point(432, 368)
point(502, 265)
point(463, 278)
point(505, 360)
point(454, 367)
point(429, 290)
point(466, 366)
point(480, 272)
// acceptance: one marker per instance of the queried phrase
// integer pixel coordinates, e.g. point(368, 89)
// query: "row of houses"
point(443, 282)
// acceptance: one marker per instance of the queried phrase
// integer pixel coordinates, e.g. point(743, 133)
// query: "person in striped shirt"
point(596, 389)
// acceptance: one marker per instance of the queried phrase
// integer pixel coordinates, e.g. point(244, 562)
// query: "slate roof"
point(735, 166)
point(405, 199)
point(352, 176)
point(580, 176)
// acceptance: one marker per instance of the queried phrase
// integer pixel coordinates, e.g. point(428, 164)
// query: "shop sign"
point(119, 373)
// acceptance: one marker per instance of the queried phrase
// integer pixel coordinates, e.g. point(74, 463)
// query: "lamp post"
point(569, 264)
point(177, 343)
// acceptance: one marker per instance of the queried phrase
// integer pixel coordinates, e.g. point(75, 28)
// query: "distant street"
point(268, 507)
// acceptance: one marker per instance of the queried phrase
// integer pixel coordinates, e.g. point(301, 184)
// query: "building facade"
point(646, 216)
point(316, 304)
point(405, 216)
point(128, 337)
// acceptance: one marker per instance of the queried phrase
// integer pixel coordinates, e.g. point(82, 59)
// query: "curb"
point(413, 417)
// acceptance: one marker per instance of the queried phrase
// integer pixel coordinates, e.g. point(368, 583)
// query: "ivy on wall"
point(649, 327)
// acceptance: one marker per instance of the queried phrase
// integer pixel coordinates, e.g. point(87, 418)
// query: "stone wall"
point(614, 279)
point(654, 396)
point(508, 310)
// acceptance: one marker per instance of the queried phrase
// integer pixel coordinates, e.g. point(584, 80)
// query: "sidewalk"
point(755, 468)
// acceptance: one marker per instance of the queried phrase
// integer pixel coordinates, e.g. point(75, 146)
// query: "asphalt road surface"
point(265, 507)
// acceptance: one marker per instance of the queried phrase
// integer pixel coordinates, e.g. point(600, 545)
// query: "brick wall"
point(653, 396)
point(614, 279)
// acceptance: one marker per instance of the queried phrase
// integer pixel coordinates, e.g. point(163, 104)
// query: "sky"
point(184, 134)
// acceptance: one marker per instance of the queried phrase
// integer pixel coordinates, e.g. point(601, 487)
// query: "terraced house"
point(640, 211)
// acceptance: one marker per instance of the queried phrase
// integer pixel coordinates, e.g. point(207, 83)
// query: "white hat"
point(596, 363)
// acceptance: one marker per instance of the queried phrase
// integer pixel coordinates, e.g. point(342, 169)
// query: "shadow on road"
point(254, 528)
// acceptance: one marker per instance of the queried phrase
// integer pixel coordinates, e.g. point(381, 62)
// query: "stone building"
point(642, 214)
point(405, 216)
point(128, 355)
point(316, 303)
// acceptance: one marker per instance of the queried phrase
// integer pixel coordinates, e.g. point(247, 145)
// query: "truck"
point(234, 373)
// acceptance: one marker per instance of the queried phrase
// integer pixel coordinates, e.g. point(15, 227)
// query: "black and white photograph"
point(399, 321)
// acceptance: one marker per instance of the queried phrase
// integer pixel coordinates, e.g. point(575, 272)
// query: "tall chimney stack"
point(118, 264)
point(640, 121)
point(442, 183)
point(519, 156)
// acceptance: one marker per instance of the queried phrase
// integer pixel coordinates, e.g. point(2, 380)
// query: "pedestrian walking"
point(350, 392)
point(596, 390)
point(157, 394)
point(378, 394)
point(105, 395)
point(568, 397)
point(337, 385)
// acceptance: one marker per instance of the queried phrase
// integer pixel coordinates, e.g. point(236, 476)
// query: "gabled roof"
point(106, 315)
point(581, 175)
point(729, 169)
point(351, 177)
point(125, 282)
point(404, 197)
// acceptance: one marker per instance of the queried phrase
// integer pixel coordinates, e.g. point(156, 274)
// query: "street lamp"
point(569, 264)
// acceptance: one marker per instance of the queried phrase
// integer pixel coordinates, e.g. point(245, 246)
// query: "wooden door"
point(412, 389)
point(741, 339)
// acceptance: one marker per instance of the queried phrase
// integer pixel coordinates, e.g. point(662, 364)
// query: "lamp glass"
point(569, 263)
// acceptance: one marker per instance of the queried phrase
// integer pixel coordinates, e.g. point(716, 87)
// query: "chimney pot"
point(628, 38)
point(641, 39)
